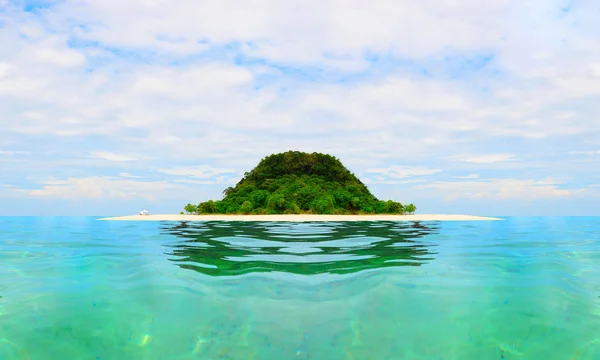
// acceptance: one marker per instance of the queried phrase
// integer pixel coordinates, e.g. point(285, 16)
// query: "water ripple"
point(229, 249)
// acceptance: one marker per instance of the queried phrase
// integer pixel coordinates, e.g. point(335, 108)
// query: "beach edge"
point(301, 218)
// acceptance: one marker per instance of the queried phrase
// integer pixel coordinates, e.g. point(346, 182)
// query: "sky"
point(108, 107)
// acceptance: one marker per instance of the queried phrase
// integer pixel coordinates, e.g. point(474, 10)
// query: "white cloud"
point(12, 191)
point(199, 81)
point(201, 99)
point(221, 180)
point(105, 155)
point(13, 152)
point(34, 115)
point(128, 175)
point(489, 159)
point(501, 189)
point(401, 172)
point(100, 188)
point(384, 181)
point(291, 32)
point(587, 152)
point(192, 83)
point(470, 176)
point(51, 54)
point(203, 172)
point(4, 69)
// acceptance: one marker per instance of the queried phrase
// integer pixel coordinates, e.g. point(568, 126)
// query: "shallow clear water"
point(78, 288)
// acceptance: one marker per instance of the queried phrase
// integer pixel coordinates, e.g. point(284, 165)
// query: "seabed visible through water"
point(77, 288)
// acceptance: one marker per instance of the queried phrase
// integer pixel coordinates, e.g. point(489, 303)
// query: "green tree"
point(323, 205)
point(191, 209)
point(207, 207)
point(380, 207)
point(367, 209)
point(393, 207)
point(221, 207)
point(258, 198)
point(342, 197)
point(276, 203)
point(293, 208)
point(355, 203)
point(246, 207)
point(410, 208)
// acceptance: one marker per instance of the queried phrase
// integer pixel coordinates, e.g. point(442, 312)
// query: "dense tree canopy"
point(299, 183)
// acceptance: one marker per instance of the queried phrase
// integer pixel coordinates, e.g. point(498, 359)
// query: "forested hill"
point(296, 183)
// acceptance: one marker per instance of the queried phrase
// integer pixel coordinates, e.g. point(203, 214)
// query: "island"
point(296, 182)
point(299, 186)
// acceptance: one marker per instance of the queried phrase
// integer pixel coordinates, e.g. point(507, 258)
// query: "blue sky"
point(108, 107)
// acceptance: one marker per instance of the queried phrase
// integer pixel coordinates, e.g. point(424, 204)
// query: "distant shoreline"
point(301, 217)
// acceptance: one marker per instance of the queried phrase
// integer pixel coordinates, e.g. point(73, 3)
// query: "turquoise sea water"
point(78, 288)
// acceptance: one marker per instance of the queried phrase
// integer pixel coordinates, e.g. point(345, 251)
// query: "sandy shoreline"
point(301, 218)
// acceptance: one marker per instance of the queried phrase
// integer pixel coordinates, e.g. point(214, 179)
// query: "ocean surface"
point(79, 288)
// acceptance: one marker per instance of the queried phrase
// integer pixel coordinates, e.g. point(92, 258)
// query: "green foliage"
point(208, 207)
point(393, 207)
point(322, 205)
point(293, 208)
point(276, 203)
point(190, 209)
point(295, 182)
point(246, 207)
point(410, 209)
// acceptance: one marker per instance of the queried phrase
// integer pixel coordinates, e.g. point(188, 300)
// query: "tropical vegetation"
point(299, 183)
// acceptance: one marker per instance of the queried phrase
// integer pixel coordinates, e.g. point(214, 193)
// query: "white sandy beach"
point(301, 217)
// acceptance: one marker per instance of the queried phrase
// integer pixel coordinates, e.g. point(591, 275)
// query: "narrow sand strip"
point(301, 218)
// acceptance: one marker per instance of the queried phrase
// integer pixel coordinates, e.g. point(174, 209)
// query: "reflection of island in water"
point(235, 248)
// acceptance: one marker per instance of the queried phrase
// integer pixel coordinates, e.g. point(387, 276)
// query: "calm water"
point(78, 288)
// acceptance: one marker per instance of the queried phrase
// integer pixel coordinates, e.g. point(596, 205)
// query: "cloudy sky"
point(461, 106)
